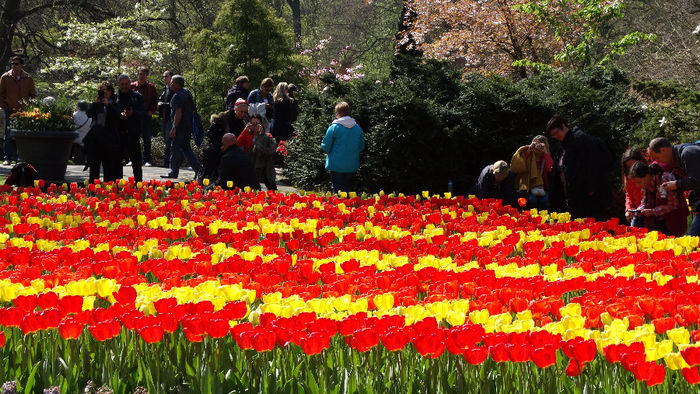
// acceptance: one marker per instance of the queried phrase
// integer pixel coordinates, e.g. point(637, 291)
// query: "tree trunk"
point(9, 16)
point(296, 21)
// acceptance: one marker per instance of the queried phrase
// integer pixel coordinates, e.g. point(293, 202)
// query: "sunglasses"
point(16, 64)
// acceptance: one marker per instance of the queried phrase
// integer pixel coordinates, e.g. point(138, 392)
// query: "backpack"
point(22, 174)
point(197, 129)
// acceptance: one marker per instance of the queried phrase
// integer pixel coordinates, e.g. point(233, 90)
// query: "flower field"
point(177, 289)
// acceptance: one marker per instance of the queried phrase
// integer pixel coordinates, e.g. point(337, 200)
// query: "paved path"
point(75, 173)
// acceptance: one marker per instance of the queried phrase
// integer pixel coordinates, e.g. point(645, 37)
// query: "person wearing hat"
point(82, 126)
point(496, 181)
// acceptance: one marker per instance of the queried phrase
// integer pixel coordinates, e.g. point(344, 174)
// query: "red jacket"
point(245, 140)
point(150, 97)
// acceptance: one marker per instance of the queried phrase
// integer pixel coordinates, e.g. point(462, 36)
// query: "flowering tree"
point(323, 63)
point(102, 50)
point(511, 36)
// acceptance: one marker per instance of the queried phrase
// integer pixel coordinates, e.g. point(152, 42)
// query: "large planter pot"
point(47, 151)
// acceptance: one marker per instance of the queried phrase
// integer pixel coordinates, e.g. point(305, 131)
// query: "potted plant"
point(44, 132)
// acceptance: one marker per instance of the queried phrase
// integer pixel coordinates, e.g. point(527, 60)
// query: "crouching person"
point(235, 168)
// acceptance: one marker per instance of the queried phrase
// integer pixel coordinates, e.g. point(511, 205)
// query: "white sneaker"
point(6, 163)
point(128, 164)
point(147, 164)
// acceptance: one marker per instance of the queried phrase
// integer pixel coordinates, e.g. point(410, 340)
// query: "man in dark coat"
point(235, 166)
point(102, 141)
point(164, 111)
point(685, 159)
point(132, 113)
point(581, 169)
point(238, 91)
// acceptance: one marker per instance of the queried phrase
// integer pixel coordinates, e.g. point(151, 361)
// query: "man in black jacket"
point(581, 169)
point(685, 159)
point(166, 120)
point(238, 90)
point(132, 110)
point(235, 166)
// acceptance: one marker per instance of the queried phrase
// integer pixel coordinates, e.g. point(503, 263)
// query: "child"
point(664, 210)
point(633, 194)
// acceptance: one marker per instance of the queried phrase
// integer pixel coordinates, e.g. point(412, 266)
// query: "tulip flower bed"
point(177, 289)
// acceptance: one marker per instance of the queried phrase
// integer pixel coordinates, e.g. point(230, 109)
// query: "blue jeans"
point(146, 135)
point(181, 146)
point(695, 226)
point(166, 125)
point(9, 145)
point(341, 181)
point(537, 202)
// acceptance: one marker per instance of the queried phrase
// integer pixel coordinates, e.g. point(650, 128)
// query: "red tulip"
point(499, 353)
point(364, 339)
point(264, 340)
point(476, 355)
point(467, 335)
point(47, 300)
point(164, 305)
point(105, 330)
point(643, 370)
point(26, 303)
point(574, 368)
point(691, 355)
point(315, 343)
point(168, 321)
point(692, 375)
point(125, 296)
point(612, 353)
point(544, 357)
point(395, 339)
point(217, 328)
point(70, 304)
point(152, 334)
point(70, 328)
point(2, 339)
point(658, 375)
point(518, 353)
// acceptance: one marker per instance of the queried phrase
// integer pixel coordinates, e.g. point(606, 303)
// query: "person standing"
point(82, 125)
point(685, 162)
point(16, 89)
point(102, 142)
point(164, 111)
point(264, 151)
point(531, 165)
point(581, 167)
point(132, 112)
point(343, 142)
point(263, 95)
point(283, 114)
point(238, 91)
point(150, 100)
point(181, 111)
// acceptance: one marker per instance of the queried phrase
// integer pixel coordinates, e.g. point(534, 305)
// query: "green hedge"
point(431, 126)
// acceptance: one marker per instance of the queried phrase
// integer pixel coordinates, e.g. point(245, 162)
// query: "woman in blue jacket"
point(343, 143)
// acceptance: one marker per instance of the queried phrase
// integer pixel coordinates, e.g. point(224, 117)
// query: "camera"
point(101, 94)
